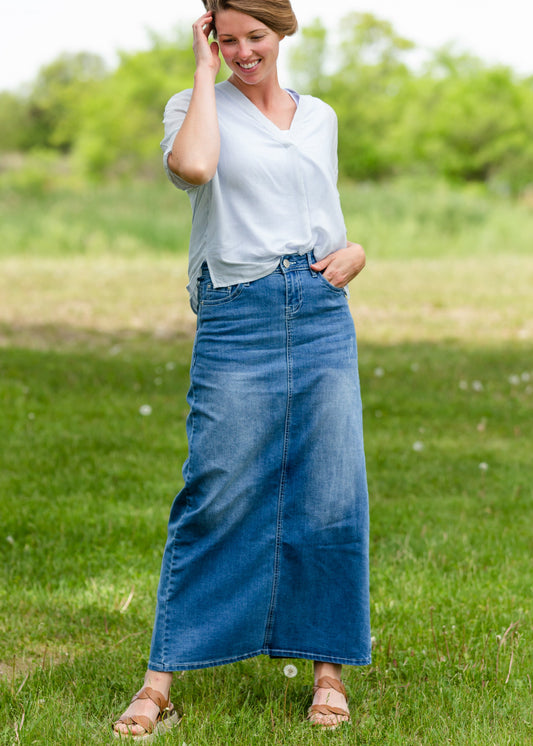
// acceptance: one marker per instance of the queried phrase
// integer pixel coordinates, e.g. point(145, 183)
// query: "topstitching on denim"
point(250, 381)
point(281, 492)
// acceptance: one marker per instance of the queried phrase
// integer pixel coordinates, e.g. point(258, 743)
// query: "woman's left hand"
point(343, 265)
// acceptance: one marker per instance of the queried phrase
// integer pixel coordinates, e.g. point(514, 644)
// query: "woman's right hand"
point(196, 147)
point(206, 54)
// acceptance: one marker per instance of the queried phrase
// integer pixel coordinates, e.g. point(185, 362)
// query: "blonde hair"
point(278, 15)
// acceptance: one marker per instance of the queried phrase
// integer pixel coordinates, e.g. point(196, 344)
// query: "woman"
point(267, 550)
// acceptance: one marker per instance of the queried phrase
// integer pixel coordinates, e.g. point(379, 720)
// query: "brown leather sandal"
point(167, 718)
point(326, 682)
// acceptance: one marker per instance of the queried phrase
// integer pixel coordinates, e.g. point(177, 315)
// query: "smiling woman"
point(250, 50)
point(267, 549)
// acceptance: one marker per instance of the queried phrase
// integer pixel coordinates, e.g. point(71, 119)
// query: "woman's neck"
point(265, 95)
point(271, 100)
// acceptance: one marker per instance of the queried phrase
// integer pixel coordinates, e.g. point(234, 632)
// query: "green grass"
point(94, 221)
point(402, 219)
point(86, 482)
point(418, 219)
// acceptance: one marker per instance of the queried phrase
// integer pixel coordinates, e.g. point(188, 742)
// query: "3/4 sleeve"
point(175, 112)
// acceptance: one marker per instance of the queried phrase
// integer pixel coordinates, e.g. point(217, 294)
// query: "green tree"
point(13, 121)
point(121, 123)
point(367, 87)
point(457, 118)
point(477, 121)
point(307, 60)
point(54, 101)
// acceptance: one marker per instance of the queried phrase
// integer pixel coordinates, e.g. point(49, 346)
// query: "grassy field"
point(95, 335)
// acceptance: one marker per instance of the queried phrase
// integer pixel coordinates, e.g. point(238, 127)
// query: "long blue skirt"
point(267, 549)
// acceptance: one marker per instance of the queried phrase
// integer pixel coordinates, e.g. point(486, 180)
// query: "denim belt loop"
point(311, 260)
point(273, 376)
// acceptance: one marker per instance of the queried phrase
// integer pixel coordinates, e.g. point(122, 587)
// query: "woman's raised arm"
point(196, 148)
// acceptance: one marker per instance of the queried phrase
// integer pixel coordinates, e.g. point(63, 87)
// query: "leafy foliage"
point(456, 117)
point(121, 122)
point(453, 117)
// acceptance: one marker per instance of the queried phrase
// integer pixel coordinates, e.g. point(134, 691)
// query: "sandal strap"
point(326, 682)
point(328, 710)
point(142, 720)
point(157, 698)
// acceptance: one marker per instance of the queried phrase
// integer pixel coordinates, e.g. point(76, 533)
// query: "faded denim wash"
point(267, 549)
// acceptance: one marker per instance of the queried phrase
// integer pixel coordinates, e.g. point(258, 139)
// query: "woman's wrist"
point(204, 74)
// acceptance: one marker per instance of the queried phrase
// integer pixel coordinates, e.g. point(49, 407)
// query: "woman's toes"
point(144, 707)
point(129, 730)
point(328, 698)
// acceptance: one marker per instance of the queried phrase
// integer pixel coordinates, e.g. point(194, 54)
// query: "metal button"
point(286, 263)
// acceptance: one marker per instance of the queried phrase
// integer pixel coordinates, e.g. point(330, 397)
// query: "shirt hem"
point(241, 275)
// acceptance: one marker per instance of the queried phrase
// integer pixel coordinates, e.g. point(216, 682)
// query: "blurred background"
point(420, 89)
point(435, 109)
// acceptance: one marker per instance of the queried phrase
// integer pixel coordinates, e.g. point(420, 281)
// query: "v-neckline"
point(263, 117)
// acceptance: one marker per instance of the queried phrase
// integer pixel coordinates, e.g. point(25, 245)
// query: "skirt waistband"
point(287, 263)
point(295, 262)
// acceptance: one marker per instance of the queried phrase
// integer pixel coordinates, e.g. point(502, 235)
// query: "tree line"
point(453, 116)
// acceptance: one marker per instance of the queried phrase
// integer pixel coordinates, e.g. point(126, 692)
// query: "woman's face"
point(249, 48)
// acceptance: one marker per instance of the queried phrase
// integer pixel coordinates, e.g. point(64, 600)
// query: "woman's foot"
point(145, 707)
point(329, 708)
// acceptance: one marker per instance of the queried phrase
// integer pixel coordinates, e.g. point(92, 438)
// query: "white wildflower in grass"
point(514, 380)
point(290, 671)
point(483, 466)
point(418, 446)
point(463, 385)
point(158, 381)
point(170, 365)
point(477, 386)
point(145, 410)
point(10, 540)
point(379, 372)
point(31, 415)
point(373, 642)
point(525, 376)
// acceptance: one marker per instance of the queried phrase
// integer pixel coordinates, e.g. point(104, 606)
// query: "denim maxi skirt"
point(267, 549)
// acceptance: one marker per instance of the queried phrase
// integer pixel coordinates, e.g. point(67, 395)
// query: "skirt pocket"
point(327, 283)
point(208, 295)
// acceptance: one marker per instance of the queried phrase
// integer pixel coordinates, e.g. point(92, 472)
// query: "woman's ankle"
point(161, 681)
point(333, 670)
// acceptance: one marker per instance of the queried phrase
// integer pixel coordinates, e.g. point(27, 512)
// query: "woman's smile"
point(248, 65)
point(248, 46)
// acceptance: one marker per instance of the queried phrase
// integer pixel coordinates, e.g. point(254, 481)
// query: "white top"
point(274, 191)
